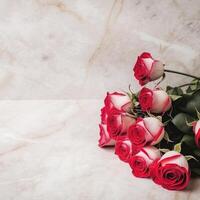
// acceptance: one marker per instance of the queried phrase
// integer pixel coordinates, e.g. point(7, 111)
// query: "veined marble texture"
point(57, 60)
point(64, 49)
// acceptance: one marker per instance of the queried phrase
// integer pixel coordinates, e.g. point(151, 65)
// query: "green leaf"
point(195, 85)
point(189, 157)
point(180, 121)
point(174, 91)
point(188, 140)
point(174, 97)
point(177, 147)
point(188, 143)
point(197, 152)
point(192, 103)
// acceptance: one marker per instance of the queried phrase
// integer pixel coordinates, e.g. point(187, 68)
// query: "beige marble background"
point(57, 60)
point(66, 49)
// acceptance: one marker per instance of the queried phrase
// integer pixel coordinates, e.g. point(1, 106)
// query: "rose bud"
point(147, 69)
point(141, 162)
point(118, 101)
point(196, 130)
point(105, 139)
point(155, 101)
point(171, 171)
point(123, 149)
point(146, 131)
point(118, 123)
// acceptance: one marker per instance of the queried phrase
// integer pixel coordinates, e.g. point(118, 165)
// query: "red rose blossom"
point(141, 162)
point(146, 131)
point(171, 171)
point(147, 69)
point(118, 123)
point(124, 149)
point(155, 101)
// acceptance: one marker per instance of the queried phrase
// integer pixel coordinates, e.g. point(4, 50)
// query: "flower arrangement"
point(155, 131)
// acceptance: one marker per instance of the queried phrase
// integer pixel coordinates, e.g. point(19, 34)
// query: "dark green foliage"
point(186, 107)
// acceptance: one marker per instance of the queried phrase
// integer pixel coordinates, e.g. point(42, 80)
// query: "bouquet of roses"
point(155, 131)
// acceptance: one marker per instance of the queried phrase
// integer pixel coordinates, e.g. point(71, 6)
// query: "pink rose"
point(142, 161)
point(171, 171)
point(105, 139)
point(146, 131)
point(155, 101)
point(196, 129)
point(117, 101)
point(147, 69)
point(118, 123)
point(123, 149)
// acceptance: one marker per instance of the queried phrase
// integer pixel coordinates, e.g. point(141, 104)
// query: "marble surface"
point(48, 150)
point(58, 49)
point(57, 60)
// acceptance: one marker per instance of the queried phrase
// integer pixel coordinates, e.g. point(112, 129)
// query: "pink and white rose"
point(117, 101)
point(124, 149)
point(146, 131)
point(147, 69)
point(171, 171)
point(118, 123)
point(142, 161)
point(155, 101)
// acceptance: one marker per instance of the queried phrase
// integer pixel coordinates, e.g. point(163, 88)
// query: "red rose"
point(196, 129)
point(146, 131)
point(117, 101)
point(118, 123)
point(171, 171)
point(147, 69)
point(141, 162)
point(123, 149)
point(155, 101)
point(105, 139)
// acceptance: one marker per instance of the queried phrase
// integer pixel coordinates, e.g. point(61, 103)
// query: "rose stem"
point(187, 84)
point(181, 73)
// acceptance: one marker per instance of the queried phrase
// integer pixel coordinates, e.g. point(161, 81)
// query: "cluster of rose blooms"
point(135, 138)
